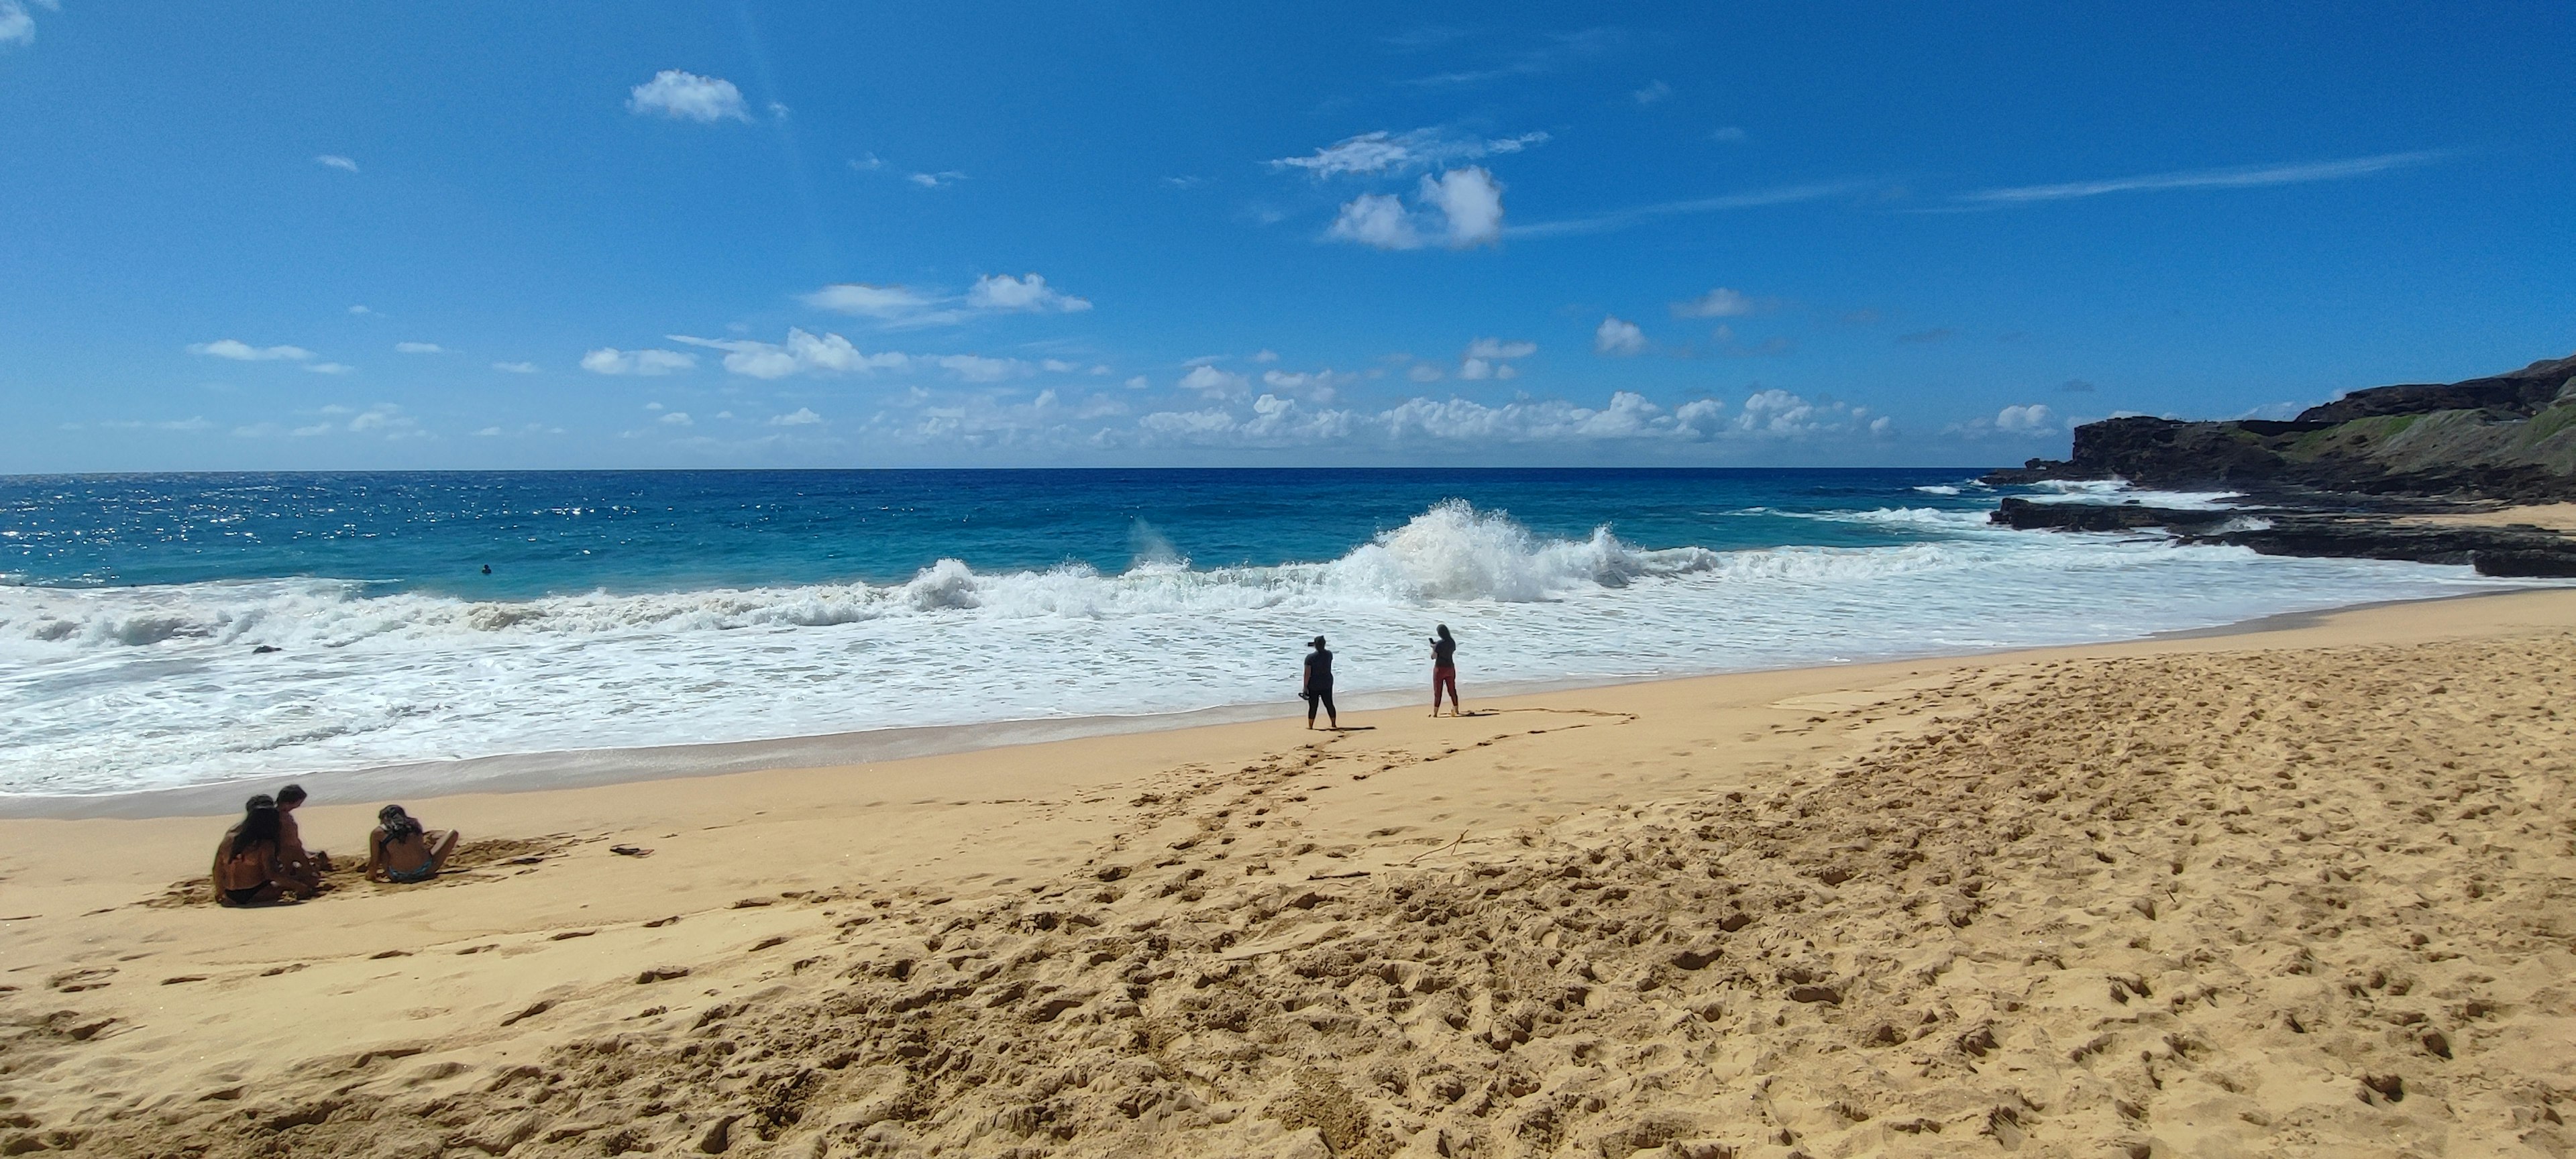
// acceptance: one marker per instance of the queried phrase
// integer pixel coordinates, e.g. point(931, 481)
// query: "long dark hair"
point(259, 823)
point(1444, 633)
point(397, 824)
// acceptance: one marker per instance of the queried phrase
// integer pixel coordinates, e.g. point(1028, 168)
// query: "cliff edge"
point(2509, 437)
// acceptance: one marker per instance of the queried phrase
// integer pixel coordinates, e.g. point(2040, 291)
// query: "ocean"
point(163, 631)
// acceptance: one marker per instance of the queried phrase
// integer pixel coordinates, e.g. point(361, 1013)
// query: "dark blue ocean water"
point(557, 532)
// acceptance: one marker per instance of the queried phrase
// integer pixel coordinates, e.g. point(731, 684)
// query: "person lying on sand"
point(246, 869)
point(301, 866)
point(401, 851)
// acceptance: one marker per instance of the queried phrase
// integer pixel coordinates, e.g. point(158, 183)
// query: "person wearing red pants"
point(1444, 670)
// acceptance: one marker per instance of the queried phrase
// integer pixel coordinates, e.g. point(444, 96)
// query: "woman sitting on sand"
point(401, 851)
point(246, 868)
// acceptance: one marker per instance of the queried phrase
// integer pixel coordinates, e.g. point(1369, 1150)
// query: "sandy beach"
point(2302, 890)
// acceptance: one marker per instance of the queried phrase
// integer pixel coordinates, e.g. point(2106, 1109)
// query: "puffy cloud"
point(419, 348)
point(1618, 338)
point(240, 351)
point(17, 25)
point(686, 96)
point(1030, 294)
point(677, 418)
point(1216, 383)
point(610, 360)
point(515, 367)
point(1373, 154)
point(1497, 348)
point(802, 353)
point(935, 180)
point(1718, 303)
point(1472, 201)
point(800, 417)
point(1376, 219)
point(1463, 208)
point(2035, 418)
point(336, 161)
point(1475, 369)
point(1319, 385)
point(1779, 413)
point(1266, 356)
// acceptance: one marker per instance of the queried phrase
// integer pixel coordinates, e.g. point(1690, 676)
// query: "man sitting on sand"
point(301, 866)
point(246, 869)
point(402, 852)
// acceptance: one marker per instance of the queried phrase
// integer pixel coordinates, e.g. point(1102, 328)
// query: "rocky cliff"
point(2509, 437)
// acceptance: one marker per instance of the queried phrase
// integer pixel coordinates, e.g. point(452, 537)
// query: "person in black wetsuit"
point(1444, 670)
point(1318, 687)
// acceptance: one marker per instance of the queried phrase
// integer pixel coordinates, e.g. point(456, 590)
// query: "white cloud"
point(1216, 383)
point(686, 96)
point(1472, 201)
point(1376, 219)
point(867, 163)
point(1462, 207)
point(516, 367)
point(2035, 418)
point(1779, 413)
point(1731, 135)
point(245, 352)
point(2238, 177)
point(1138, 383)
point(610, 360)
point(1057, 366)
point(335, 161)
point(677, 418)
point(1424, 372)
point(800, 417)
point(866, 301)
point(1718, 303)
point(419, 348)
point(330, 368)
point(1497, 348)
point(360, 310)
point(1266, 356)
point(1475, 370)
point(802, 353)
point(1028, 294)
point(17, 25)
point(1652, 94)
point(977, 368)
point(1372, 154)
point(1618, 338)
point(935, 180)
point(1320, 385)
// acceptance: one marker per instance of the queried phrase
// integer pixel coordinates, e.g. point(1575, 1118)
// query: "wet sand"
point(2308, 890)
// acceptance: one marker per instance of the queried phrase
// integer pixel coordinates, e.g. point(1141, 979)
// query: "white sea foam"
point(124, 688)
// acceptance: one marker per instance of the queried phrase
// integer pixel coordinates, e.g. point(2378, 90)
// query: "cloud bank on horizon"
point(1482, 239)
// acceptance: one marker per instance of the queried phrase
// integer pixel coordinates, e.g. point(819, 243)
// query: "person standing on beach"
point(1444, 670)
point(1318, 686)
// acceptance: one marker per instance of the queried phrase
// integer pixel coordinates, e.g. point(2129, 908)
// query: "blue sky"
point(771, 234)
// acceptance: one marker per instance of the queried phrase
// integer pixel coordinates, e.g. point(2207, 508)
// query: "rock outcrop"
point(2511, 437)
point(2517, 550)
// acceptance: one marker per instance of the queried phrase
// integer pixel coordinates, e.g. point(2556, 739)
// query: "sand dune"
point(2304, 893)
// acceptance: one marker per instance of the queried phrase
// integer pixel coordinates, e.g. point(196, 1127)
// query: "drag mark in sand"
point(2311, 902)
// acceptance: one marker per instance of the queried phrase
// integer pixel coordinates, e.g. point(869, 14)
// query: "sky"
point(764, 234)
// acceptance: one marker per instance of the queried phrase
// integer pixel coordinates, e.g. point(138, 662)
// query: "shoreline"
point(551, 770)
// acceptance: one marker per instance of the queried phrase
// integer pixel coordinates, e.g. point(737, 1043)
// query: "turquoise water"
point(185, 629)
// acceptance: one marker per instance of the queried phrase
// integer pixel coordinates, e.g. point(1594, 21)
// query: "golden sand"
point(2308, 891)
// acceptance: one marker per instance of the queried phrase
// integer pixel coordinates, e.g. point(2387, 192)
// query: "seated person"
point(246, 869)
point(401, 851)
point(304, 868)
